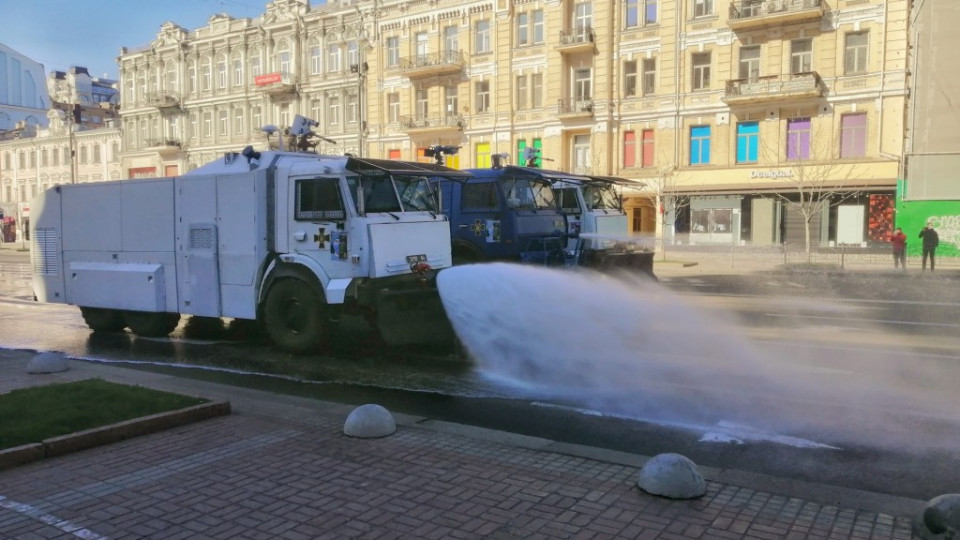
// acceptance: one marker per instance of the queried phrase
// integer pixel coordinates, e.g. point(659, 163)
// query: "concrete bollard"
point(369, 422)
point(942, 515)
point(47, 362)
point(672, 476)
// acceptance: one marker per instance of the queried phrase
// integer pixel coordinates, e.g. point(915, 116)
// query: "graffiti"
point(947, 227)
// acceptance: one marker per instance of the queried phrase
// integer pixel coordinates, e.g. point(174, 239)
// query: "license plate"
point(414, 259)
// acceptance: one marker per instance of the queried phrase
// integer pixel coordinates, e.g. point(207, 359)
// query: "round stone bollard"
point(369, 422)
point(942, 514)
point(47, 362)
point(672, 476)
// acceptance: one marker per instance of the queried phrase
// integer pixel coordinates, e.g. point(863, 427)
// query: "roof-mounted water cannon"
point(531, 155)
point(301, 134)
point(497, 161)
point(438, 151)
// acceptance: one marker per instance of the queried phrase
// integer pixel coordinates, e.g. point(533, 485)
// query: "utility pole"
point(73, 144)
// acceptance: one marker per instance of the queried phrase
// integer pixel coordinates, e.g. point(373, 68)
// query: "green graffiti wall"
point(913, 215)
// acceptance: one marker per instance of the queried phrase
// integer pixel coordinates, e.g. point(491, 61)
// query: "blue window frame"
point(700, 145)
point(748, 139)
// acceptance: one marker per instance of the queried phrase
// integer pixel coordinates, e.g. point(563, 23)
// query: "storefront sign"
point(788, 173)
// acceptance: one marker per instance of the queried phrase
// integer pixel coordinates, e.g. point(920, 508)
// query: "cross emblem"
point(321, 237)
point(479, 228)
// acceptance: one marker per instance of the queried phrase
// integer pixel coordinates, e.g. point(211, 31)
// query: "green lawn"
point(33, 414)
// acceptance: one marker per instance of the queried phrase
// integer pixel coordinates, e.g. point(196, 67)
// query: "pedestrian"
point(899, 242)
point(930, 242)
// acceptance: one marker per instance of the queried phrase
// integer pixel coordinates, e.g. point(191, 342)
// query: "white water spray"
point(630, 347)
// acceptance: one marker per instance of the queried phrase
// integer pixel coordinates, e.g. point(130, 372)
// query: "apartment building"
point(930, 190)
point(727, 111)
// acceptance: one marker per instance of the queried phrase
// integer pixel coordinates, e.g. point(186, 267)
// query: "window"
point(421, 44)
point(333, 58)
point(205, 76)
point(522, 91)
point(482, 155)
point(44, 159)
point(223, 122)
point(582, 83)
point(650, 13)
point(95, 155)
point(702, 7)
point(701, 71)
point(222, 74)
point(237, 72)
point(334, 108)
point(316, 110)
point(798, 139)
point(450, 100)
point(482, 37)
point(630, 78)
point(581, 153)
point(422, 104)
point(207, 124)
point(450, 43)
point(700, 145)
point(353, 108)
point(632, 13)
point(855, 53)
point(629, 149)
point(353, 54)
point(255, 67)
point(238, 120)
point(318, 199)
point(801, 55)
point(853, 135)
point(483, 96)
point(646, 150)
point(523, 29)
point(649, 76)
point(536, 87)
point(315, 65)
point(582, 16)
point(83, 154)
point(255, 119)
point(283, 59)
point(538, 26)
point(750, 63)
point(393, 107)
point(479, 197)
point(748, 140)
point(393, 51)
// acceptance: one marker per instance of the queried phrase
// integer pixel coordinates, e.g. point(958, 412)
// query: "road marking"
point(849, 319)
point(62, 524)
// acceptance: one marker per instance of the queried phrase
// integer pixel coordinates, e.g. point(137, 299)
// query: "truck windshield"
point(415, 194)
point(379, 194)
point(601, 197)
point(528, 193)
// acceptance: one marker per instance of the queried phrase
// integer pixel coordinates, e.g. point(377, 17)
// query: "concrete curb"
point(82, 440)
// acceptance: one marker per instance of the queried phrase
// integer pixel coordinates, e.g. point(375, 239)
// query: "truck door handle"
point(464, 226)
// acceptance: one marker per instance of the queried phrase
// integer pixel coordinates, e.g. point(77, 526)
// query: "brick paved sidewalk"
point(280, 467)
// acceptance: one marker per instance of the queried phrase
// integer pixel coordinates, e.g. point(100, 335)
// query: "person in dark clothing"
point(899, 242)
point(930, 242)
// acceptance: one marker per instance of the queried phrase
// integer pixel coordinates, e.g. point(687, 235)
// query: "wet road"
point(855, 342)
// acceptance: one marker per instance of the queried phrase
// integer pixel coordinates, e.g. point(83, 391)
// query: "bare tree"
point(816, 179)
point(671, 198)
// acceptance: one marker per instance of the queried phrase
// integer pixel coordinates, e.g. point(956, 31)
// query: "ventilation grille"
point(46, 255)
point(202, 237)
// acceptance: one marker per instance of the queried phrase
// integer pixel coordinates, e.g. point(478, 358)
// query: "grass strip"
point(30, 415)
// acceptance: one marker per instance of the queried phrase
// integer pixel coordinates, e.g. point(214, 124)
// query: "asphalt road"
point(853, 382)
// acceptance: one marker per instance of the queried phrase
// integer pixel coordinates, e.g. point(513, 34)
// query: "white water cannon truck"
point(289, 239)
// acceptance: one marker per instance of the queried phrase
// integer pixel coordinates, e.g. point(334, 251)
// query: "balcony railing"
point(161, 142)
point(438, 63)
point(575, 106)
point(755, 13)
point(577, 38)
point(278, 82)
point(162, 100)
point(775, 87)
point(452, 121)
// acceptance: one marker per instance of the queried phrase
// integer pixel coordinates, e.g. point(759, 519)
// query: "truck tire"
point(102, 320)
point(151, 324)
point(294, 316)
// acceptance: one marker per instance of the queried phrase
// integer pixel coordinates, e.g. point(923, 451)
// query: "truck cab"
point(504, 214)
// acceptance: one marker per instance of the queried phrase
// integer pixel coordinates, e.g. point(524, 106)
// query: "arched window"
point(283, 57)
point(316, 57)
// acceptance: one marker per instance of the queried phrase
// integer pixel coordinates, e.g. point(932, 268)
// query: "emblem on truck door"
point(321, 238)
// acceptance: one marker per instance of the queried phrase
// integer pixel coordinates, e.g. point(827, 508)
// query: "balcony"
point(421, 125)
point(749, 14)
point(279, 83)
point(774, 88)
point(164, 146)
point(572, 108)
point(431, 64)
point(577, 39)
point(165, 102)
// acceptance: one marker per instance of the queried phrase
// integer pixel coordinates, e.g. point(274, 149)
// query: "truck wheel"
point(102, 320)
point(294, 316)
point(151, 324)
